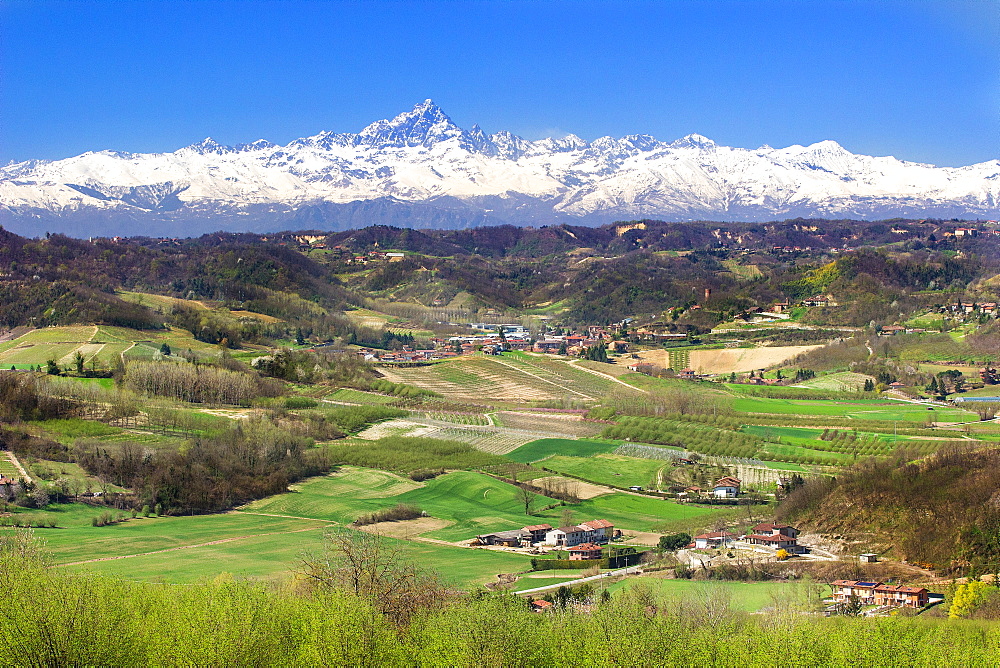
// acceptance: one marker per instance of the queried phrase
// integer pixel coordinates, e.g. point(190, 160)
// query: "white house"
point(594, 531)
point(566, 536)
point(714, 539)
point(727, 487)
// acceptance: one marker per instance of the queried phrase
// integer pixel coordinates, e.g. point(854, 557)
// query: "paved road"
point(570, 583)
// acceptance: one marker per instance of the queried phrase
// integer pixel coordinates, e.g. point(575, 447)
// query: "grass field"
point(472, 503)
point(844, 381)
point(187, 549)
point(546, 447)
point(276, 557)
point(350, 396)
point(606, 469)
point(101, 341)
point(746, 596)
point(70, 429)
point(861, 409)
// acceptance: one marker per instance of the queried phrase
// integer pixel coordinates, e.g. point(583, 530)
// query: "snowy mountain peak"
point(425, 125)
point(209, 145)
point(693, 141)
point(420, 169)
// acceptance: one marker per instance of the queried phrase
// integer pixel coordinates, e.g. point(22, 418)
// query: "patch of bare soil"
point(231, 413)
point(572, 425)
point(642, 537)
point(730, 360)
point(406, 528)
point(578, 488)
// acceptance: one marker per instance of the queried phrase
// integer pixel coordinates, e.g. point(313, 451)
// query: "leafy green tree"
point(78, 362)
point(851, 607)
point(165, 348)
point(674, 542)
point(52, 368)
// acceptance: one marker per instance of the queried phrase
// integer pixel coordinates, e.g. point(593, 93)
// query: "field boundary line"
point(604, 375)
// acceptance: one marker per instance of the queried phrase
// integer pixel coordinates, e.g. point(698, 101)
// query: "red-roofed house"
point(541, 606)
point(602, 530)
point(726, 487)
point(876, 593)
point(912, 597)
point(843, 590)
point(778, 536)
point(538, 531)
point(584, 552)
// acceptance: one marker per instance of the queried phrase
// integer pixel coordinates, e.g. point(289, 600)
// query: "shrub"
point(401, 511)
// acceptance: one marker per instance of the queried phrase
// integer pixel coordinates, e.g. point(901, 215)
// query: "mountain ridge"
point(419, 169)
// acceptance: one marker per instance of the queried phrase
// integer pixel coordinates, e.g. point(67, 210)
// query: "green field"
point(606, 469)
point(70, 429)
point(860, 409)
point(845, 381)
point(350, 396)
point(187, 549)
point(547, 447)
point(472, 503)
point(101, 341)
point(7, 469)
point(746, 596)
point(278, 556)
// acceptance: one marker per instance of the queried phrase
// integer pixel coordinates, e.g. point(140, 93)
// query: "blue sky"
point(918, 80)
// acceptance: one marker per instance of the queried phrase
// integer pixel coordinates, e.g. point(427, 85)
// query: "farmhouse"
point(514, 538)
point(541, 606)
point(538, 532)
point(602, 530)
point(726, 487)
point(714, 539)
point(566, 536)
point(818, 300)
point(778, 536)
point(584, 552)
point(594, 531)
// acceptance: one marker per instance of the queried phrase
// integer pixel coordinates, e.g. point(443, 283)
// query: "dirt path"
point(122, 354)
point(188, 547)
point(16, 464)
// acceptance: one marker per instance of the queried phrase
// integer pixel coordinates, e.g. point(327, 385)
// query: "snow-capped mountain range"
point(419, 169)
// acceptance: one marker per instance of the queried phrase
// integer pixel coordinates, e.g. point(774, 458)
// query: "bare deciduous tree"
point(368, 565)
point(525, 496)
